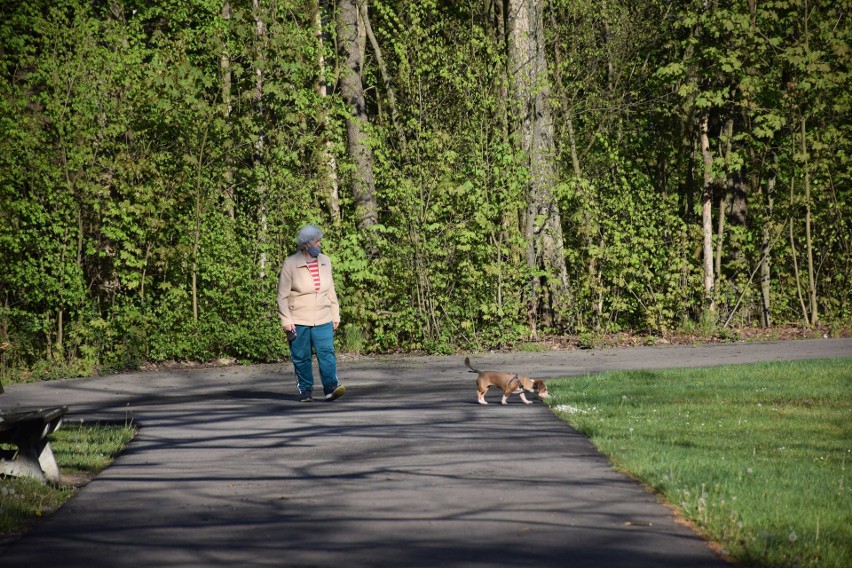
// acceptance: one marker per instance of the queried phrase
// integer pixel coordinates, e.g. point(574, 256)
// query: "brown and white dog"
point(506, 382)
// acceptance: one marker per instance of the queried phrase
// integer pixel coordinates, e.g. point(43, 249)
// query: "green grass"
point(754, 455)
point(81, 451)
point(530, 347)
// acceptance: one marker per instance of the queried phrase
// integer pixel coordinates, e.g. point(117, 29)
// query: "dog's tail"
point(467, 364)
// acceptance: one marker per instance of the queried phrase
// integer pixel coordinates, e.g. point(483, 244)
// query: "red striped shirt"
point(313, 266)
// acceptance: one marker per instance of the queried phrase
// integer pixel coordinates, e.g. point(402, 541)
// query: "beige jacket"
point(298, 302)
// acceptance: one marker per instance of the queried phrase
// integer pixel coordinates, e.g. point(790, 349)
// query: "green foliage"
point(767, 68)
point(644, 276)
point(149, 192)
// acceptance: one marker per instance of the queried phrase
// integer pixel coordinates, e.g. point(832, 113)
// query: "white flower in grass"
point(792, 536)
point(568, 409)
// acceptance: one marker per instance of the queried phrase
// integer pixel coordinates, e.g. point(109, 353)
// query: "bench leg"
point(48, 463)
point(34, 461)
point(22, 466)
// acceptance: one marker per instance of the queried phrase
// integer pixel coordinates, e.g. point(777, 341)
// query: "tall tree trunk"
point(383, 69)
point(812, 297)
point(766, 250)
point(739, 199)
point(534, 123)
point(739, 190)
point(4, 337)
point(724, 204)
point(796, 273)
point(331, 187)
point(196, 241)
point(48, 335)
point(724, 207)
point(350, 34)
point(690, 146)
point(496, 12)
point(504, 238)
point(225, 68)
point(707, 219)
point(199, 220)
point(588, 226)
point(260, 58)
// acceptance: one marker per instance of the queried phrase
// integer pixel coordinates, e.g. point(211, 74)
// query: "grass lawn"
point(81, 451)
point(754, 455)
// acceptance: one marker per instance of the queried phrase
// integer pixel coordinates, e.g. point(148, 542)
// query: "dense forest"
point(485, 171)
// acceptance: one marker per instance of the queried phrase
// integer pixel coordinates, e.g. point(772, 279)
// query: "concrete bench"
point(28, 431)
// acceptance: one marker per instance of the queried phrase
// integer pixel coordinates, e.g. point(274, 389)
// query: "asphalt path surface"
point(229, 469)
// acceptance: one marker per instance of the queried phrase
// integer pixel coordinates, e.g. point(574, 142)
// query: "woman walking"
point(309, 312)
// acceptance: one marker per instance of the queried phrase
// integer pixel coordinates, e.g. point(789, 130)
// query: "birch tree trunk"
point(796, 266)
point(812, 297)
point(350, 36)
point(766, 251)
point(331, 187)
point(707, 218)
point(534, 135)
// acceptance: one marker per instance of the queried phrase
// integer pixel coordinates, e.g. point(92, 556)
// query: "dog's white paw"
point(482, 402)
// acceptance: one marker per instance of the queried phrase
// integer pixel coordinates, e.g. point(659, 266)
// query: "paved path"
point(229, 469)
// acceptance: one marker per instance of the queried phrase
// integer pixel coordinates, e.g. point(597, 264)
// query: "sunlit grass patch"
point(89, 448)
point(754, 455)
point(81, 451)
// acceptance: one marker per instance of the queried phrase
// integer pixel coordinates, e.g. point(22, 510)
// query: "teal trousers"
point(320, 340)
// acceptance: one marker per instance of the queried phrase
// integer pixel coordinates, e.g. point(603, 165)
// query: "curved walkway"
point(229, 469)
